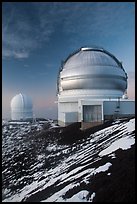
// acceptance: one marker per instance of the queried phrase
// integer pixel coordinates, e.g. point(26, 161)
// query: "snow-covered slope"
point(36, 167)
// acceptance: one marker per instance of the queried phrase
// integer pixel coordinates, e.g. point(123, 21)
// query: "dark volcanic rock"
point(120, 185)
point(56, 164)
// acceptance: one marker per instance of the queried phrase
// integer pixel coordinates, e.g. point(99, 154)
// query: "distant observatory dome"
point(93, 72)
point(21, 107)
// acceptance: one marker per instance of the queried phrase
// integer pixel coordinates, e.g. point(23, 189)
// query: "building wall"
point(70, 112)
point(67, 113)
point(126, 107)
point(110, 110)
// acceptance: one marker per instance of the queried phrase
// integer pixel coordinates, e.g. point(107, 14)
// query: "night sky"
point(37, 36)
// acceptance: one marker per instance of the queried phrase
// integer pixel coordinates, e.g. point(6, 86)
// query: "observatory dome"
point(21, 107)
point(94, 72)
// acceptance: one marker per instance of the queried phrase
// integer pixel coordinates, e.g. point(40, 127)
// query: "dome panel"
point(89, 58)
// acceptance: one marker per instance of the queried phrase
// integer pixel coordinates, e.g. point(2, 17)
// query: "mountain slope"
point(99, 166)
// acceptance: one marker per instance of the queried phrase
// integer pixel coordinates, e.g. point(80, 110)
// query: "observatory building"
point(92, 86)
point(21, 107)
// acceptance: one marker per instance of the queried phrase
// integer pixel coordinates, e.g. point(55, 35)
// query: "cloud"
point(26, 65)
point(26, 26)
point(99, 18)
point(23, 29)
point(16, 42)
point(14, 53)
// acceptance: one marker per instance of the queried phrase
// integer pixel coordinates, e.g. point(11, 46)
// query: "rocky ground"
point(43, 162)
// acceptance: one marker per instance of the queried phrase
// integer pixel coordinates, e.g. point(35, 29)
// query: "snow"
point(81, 196)
point(51, 148)
point(103, 168)
point(53, 125)
point(92, 196)
point(72, 169)
point(113, 156)
point(122, 143)
point(19, 122)
point(130, 125)
point(57, 197)
point(41, 156)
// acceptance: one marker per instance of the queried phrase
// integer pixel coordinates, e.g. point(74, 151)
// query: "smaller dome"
point(21, 101)
point(21, 107)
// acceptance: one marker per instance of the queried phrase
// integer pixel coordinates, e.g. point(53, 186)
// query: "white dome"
point(21, 107)
point(94, 72)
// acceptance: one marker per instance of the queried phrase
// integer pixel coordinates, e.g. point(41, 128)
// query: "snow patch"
point(113, 156)
point(103, 168)
point(130, 125)
point(81, 196)
point(123, 143)
point(51, 148)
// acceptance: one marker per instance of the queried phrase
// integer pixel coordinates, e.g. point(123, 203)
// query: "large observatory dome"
point(92, 72)
point(21, 107)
